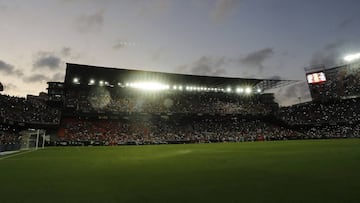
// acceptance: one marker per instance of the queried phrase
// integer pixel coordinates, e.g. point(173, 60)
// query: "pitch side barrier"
point(102, 143)
point(129, 143)
point(10, 147)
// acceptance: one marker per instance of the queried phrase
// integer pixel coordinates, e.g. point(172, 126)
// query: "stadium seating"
point(17, 109)
point(155, 130)
point(9, 139)
point(330, 112)
point(208, 103)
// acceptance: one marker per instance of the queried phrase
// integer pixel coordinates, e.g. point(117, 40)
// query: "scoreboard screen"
point(316, 77)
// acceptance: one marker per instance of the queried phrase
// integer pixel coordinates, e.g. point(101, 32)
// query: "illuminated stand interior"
point(327, 83)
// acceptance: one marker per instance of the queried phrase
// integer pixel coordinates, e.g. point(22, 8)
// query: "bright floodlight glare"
point(248, 90)
point(91, 82)
point(151, 86)
point(352, 57)
point(228, 89)
point(180, 87)
point(175, 87)
point(76, 80)
point(258, 90)
point(239, 90)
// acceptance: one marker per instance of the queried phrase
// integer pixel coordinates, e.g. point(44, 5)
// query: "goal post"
point(32, 138)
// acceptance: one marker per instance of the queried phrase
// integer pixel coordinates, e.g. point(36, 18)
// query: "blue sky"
point(237, 38)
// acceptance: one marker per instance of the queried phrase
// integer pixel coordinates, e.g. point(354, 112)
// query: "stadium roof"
point(86, 73)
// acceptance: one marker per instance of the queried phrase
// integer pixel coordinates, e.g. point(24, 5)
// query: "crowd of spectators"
point(338, 111)
point(18, 109)
point(333, 131)
point(9, 139)
point(205, 117)
point(165, 130)
point(187, 102)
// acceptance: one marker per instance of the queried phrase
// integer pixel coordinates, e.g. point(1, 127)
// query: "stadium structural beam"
point(272, 84)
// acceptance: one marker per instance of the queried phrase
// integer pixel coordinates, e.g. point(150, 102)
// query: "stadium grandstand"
point(110, 106)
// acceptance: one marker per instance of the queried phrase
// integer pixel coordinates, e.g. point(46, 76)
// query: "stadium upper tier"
point(77, 74)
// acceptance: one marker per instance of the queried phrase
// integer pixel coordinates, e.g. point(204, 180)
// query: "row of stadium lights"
point(160, 86)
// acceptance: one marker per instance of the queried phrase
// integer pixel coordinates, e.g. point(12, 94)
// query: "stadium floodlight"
point(76, 80)
point(239, 90)
point(352, 57)
point(228, 89)
point(180, 87)
point(175, 87)
point(127, 84)
point(258, 90)
point(248, 90)
point(92, 82)
point(101, 83)
point(150, 86)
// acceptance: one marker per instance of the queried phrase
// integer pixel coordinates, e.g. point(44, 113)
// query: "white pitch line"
point(25, 152)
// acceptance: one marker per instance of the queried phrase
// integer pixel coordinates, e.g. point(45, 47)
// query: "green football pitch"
point(284, 171)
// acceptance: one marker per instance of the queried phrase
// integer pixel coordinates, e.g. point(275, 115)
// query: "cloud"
point(224, 7)
point(58, 77)
point(36, 78)
point(9, 87)
point(90, 22)
point(6, 68)
point(293, 94)
point(9, 69)
point(66, 51)
point(275, 77)
point(153, 8)
point(332, 54)
point(205, 65)
point(47, 60)
point(257, 58)
point(345, 23)
point(123, 44)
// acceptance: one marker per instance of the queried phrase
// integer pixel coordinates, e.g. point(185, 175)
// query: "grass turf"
point(289, 171)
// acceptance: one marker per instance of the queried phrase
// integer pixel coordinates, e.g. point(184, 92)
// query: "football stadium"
point(121, 135)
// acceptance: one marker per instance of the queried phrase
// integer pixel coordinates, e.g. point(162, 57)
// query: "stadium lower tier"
point(157, 130)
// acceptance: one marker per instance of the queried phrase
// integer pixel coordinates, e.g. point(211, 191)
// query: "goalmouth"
point(33, 139)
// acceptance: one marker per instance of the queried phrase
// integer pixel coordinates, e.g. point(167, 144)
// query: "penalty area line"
point(16, 154)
